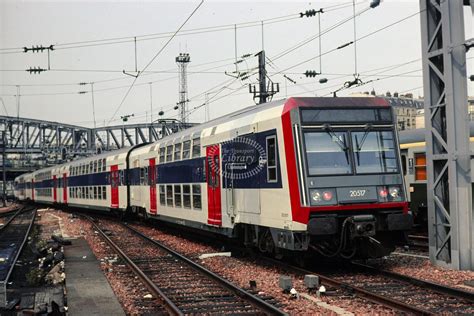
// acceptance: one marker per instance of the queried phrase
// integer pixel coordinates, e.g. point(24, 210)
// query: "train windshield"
point(374, 152)
point(338, 153)
point(327, 153)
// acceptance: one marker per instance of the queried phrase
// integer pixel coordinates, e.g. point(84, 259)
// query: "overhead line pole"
point(449, 186)
point(93, 103)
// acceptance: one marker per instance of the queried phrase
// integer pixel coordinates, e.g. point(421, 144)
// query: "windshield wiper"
point(328, 129)
point(368, 129)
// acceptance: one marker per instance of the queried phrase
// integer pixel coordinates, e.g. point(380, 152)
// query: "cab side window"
point(271, 159)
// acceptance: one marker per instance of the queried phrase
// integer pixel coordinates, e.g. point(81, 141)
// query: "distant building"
point(420, 117)
point(406, 107)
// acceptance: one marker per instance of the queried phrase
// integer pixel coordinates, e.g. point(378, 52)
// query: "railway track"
point(418, 242)
point(13, 236)
point(398, 292)
point(182, 286)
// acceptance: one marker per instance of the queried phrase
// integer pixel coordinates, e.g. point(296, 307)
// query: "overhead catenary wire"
point(153, 59)
point(358, 39)
point(193, 31)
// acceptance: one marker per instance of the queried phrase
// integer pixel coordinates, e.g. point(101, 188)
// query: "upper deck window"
point(374, 152)
point(186, 149)
point(196, 147)
point(327, 153)
point(177, 151)
point(169, 153)
point(162, 154)
point(334, 116)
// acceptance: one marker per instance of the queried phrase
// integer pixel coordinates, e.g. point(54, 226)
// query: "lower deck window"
point(186, 195)
point(197, 196)
point(169, 195)
point(177, 195)
point(162, 195)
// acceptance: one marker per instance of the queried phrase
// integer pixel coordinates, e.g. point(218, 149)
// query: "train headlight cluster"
point(323, 196)
point(390, 194)
point(316, 196)
point(394, 192)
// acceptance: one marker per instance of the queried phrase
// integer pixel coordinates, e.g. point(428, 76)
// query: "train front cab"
point(347, 185)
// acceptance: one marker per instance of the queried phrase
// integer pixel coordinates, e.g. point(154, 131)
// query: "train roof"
point(321, 102)
point(418, 135)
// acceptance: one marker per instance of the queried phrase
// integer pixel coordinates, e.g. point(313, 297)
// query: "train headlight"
point(316, 196)
point(390, 194)
point(323, 196)
point(394, 192)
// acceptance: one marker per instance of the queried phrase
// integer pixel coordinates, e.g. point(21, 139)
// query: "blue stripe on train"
point(193, 170)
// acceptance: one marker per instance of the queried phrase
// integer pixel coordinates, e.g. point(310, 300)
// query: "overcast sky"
point(71, 25)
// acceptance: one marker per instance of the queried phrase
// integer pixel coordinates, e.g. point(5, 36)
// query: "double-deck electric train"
point(320, 175)
point(413, 153)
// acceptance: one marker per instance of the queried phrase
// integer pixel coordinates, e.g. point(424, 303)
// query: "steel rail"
point(13, 215)
point(11, 212)
point(3, 283)
point(439, 288)
point(258, 302)
point(358, 291)
point(169, 305)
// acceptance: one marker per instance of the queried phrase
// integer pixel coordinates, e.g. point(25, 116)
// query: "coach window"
point(186, 149)
point(169, 195)
point(186, 196)
point(162, 195)
point(169, 153)
point(196, 147)
point(91, 167)
point(122, 177)
point(142, 176)
point(177, 195)
point(104, 165)
point(177, 152)
point(420, 167)
point(104, 192)
point(162, 154)
point(271, 159)
point(95, 166)
point(99, 165)
point(99, 193)
point(196, 196)
point(95, 193)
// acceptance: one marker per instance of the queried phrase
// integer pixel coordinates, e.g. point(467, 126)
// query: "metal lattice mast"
point(450, 216)
point(182, 60)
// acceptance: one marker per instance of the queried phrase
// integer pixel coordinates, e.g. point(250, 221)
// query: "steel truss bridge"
point(32, 144)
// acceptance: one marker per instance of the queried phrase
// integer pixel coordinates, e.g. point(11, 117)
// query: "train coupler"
point(362, 226)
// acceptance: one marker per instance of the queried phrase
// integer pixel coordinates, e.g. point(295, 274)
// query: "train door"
point(55, 187)
point(32, 189)
point(152, 182)
point(213, 175)
point(114, 184)
point(64, 188)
